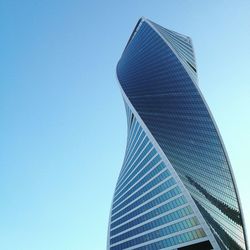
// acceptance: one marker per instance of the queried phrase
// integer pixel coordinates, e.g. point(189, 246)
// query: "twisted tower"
point(176, 189)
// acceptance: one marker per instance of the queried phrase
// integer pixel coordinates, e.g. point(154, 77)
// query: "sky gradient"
point(63, 123)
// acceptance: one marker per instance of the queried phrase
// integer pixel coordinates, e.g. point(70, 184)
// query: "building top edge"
point(144, 19)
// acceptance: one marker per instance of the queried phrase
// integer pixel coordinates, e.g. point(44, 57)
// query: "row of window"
point(134, 158)
point(165, 231)
point(139, 196)
point(136, 147)
point(145, 165)
point(147, 148)
point(182, 212)
point(133, 144)
point(131, 221)
point(175, 240)
point(143, 174)
point(132, 137)
point(144, 207)
point(140, 188)
point(165, 185)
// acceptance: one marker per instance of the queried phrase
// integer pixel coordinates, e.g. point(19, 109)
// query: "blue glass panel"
point(168, 101)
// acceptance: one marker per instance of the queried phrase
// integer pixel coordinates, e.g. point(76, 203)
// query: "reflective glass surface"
point(157, 73)
point(148, 205)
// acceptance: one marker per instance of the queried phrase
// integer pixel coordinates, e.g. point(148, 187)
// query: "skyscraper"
point(176, 189)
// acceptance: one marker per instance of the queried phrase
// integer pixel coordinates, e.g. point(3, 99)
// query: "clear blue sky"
point(63, 127)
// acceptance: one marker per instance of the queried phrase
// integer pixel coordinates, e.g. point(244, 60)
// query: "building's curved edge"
point(193, 77)
point(110, 211)
point(190, 200)
point(229, 166)
point(215, 125)
point(134, 30)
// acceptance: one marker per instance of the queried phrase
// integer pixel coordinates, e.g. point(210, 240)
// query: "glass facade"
point(151, 209)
